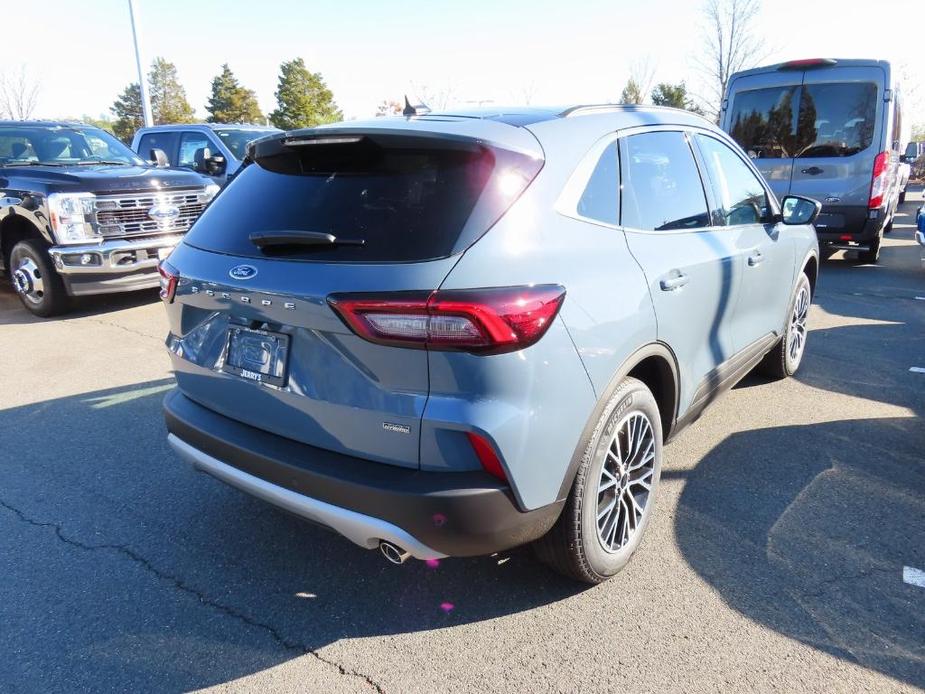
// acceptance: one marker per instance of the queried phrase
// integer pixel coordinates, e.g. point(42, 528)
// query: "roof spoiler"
point(807, 64)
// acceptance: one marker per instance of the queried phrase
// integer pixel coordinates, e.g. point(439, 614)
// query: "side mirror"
point(799, 210)
point(159, 157)
point(216, 165)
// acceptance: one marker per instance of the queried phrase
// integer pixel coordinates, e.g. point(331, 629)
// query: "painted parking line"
point(920, 298)
point(914, 577)
point(917, 369)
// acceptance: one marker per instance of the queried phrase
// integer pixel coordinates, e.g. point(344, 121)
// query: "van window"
point(837, 119)
point(763, 122)
point(738, 192)
point(661, 184)
point(599, 200)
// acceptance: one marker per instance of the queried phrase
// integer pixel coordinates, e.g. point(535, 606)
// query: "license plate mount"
point(257, 355)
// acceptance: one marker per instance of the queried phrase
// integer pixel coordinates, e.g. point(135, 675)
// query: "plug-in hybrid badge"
point(242, 272)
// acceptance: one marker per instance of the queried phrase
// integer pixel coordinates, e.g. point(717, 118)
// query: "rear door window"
point(166, 141)
point(599, 201)
point(739, 195)
point(404, 201)
point(764, 121)
point(662, 189)
point(836, 119)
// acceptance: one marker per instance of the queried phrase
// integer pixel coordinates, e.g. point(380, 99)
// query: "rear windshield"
point(405, 203)
point(815, 120)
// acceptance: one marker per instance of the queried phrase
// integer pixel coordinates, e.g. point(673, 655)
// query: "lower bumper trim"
point(360, 529)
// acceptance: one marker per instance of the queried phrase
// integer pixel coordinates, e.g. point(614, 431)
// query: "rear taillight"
point(487, 321)
point(169, 279)
point(487, 456)
point(879, 182)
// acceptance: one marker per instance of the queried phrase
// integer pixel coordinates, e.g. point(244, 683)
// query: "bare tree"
point(435, 99)
point(642, 75)
point(19, 94)
point(732, 43)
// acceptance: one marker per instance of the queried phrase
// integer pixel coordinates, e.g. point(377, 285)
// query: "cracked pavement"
point(773, 563)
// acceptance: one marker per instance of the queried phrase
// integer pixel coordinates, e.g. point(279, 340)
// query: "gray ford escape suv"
point(449, 335)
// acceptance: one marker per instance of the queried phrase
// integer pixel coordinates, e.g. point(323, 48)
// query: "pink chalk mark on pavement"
point(432, 563)
point(446, 607)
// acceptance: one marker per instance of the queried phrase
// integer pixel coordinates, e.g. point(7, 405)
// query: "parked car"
point(211, 149)
point(81, 214)
point(904, 173)
point(452, 334)
point(831, 130)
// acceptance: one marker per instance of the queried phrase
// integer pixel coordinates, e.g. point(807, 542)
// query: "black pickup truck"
point(80, 213)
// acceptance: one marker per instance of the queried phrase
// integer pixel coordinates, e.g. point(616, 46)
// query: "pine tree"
point(632, 94)
point(168, 98)
point(674, 95)
point(303, 98)
point(127, 110)
point(230, 102)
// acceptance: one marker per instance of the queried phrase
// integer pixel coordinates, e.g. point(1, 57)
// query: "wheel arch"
point(15, 228)
point(655, 365)
point(811, 270)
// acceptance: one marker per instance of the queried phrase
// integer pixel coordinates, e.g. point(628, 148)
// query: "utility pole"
point(142, 82)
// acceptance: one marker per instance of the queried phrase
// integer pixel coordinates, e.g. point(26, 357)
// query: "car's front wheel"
point(785, 358)
point(39, 287)
point(612, 497)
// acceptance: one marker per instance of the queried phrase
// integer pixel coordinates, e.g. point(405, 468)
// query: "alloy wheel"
point(625, 484)
point(796, 334)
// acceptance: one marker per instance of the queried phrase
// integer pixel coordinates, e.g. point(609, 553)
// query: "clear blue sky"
point(370, 50)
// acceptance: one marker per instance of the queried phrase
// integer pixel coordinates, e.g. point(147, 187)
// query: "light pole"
point(142, 82)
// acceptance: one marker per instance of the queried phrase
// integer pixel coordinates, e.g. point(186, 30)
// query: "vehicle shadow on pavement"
point(122, 565)
point(806, 529)
point(13, 313)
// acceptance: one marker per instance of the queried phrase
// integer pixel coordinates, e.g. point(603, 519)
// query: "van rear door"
point(761, 115)
point(840, 126)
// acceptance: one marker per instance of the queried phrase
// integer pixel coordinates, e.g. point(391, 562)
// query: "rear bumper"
point(842, 226)
point(430, 514)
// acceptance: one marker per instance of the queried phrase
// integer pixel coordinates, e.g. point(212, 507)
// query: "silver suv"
point(452, 334)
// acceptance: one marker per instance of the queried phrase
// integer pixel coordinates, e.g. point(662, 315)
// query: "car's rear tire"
point(613, 494)
point(872, 255)
point(787, 355)
point(39, 286)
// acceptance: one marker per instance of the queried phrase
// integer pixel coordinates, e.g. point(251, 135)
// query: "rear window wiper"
point(270, 239)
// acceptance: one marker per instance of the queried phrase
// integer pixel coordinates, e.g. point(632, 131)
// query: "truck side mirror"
point(159, 157)
point(216, 165)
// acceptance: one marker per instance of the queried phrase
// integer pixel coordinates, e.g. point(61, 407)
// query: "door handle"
point(813, 171)
point(670, 284)
point(755, 258)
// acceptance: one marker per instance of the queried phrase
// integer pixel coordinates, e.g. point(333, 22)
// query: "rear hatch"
point(840, 126)
point(368, 210)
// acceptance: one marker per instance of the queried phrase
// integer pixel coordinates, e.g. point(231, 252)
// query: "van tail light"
point(879, 180)
point(486, 321)
point(487, 456)
point(169, 278)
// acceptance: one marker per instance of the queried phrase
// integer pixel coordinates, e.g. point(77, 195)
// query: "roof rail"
point(605, 108)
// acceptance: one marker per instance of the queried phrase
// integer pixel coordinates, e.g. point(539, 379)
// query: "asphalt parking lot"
point(775, 559)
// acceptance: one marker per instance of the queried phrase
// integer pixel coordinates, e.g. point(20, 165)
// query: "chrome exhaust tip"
point(393, 553)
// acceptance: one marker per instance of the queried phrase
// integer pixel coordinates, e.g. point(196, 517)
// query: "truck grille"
point(149, 214)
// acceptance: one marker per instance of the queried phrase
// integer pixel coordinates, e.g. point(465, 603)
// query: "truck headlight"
point(72, 217)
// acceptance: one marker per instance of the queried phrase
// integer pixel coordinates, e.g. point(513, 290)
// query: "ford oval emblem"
point(164, 212)
point(242, 272)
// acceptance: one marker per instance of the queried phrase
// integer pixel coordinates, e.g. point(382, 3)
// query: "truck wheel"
point(40, 288)
point(902, 197)
point(873, 255)
point(785, 358)
point(612, 497)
